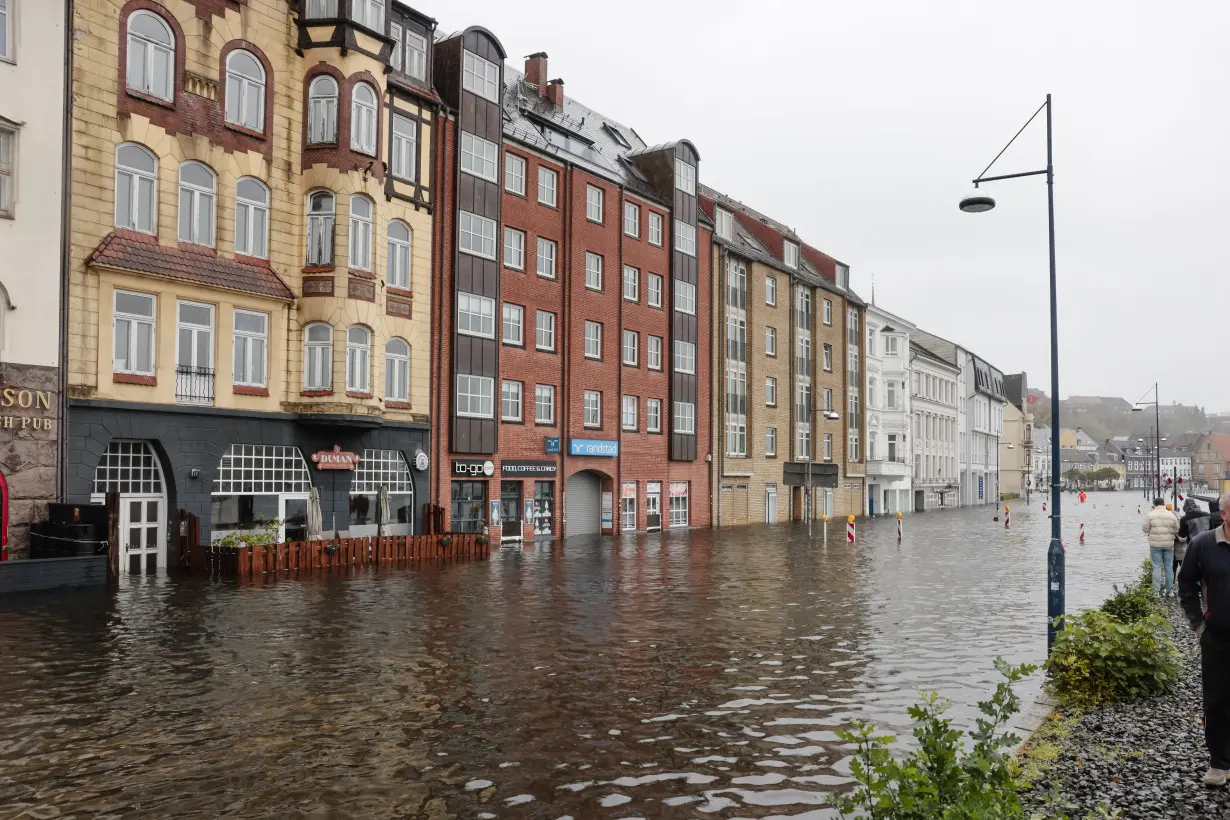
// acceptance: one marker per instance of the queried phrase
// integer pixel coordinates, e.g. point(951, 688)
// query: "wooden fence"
point(315, 556)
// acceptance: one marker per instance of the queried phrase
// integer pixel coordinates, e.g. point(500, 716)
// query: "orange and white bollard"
point(825, 518)
point(1138, 509)
point(1007, 516)
point(850, 530)
point(1082, 532)
point(898, 528)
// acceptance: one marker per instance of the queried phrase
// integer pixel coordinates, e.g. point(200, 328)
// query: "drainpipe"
point(565, 272)
point(719, 384)
point(66, 166)
point(441, 210)
point(617, 492)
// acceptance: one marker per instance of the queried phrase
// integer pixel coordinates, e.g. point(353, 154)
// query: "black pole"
point(1157, 422)
point(1055, 580)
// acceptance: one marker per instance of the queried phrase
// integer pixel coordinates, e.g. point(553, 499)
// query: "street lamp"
point(831, 415)
point(1138, 407)
point(979, 202)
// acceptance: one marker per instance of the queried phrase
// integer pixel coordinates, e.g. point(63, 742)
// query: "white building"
point(1177, 464)
point(934, 410)
point(889, 468)
point(1042, 459)
point(33, 95)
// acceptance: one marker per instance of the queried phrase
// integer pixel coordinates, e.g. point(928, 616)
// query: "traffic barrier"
point(898, 528)
point(850, 530)
point(1082, 532)
point(1007, 516)
point(825, 518)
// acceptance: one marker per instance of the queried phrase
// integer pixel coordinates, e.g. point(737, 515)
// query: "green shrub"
point(1099, 659)
point(939, 779)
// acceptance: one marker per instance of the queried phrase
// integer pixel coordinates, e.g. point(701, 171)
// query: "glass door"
point(294, 518)
point(653, 510)
point(143, 536)
point(510, 509)
point(194, 356)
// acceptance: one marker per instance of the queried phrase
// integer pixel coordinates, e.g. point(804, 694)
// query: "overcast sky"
point(860, 123)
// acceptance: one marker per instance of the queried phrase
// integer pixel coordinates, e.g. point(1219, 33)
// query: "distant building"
point(1077, 439)
point(936, 473)
point(1211, 462)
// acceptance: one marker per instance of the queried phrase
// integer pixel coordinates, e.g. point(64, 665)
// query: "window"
point(653, 415)
point(477, 235)
point(593, 340)
point(803, 440)
point(320, 228)
point(128, 467)
point(770, 341)
point(322, 110)
point(828, 398)
point(475, 315)
point(395, 59)
point(890, 345)
point(359, 360)
point(871, 341)
point(593, 408)
point(655, 290)
point(828, 312)
point(547, 181)
point(685, 297)
point(405, 148)
point(655, 229)
point(628, 416)
point(514, 318)
point(770, 391)
point(363, 119)
point(398, 260)
point(828, 446)
point(514, 249)
point(852, 447)
point(594, 198)
point(770, 441)
point(136, 186)
point(475, 396)
point(685, 357)
point(632, 219)
point(197, 187)
point(377, 470)
point(245, 90)
point(369, 13)
point(685, 417)
point(685, 176)
point(546, 258)
point(653, 352)
point(134, 333)
point(318, 358)
point(468, 510)
point(544, 404)
point(480, 76)
point(416, 55)
point(679, 504)
point(631, 346)
point(6, 25)
point(632, 284)
point(194, 353)
point(514, 174)
point(544, 330)
point(251, 218)
point(828, 357)
point(251, 343)
point(790, 255)
point(770, 290)
point(479, 157)
point(151, 56)
point(891, 402)
point(510, 400)
point(685, 237)
point(725, 224)
point(360, 233)
point(320, 8)
point(593, 271)
point(627, 507)
point(397, 370)
point(843, 276)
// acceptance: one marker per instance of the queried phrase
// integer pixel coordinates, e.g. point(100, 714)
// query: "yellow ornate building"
point(251, 263)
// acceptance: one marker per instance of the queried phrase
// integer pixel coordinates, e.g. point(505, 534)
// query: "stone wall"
point(28, 443)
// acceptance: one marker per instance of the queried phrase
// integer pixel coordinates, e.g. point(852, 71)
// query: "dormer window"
point(616, 135)
point(725, 224)
point(790, 255)
point(843, 276)
point(416, 55)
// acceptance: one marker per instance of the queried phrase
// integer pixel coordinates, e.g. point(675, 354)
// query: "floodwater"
point(684, 675)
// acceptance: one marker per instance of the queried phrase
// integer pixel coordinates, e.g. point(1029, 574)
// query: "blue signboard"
point(979, 488)
point(592, 447)
point(552, 445)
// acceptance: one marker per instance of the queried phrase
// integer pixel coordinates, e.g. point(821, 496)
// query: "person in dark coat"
point(1193, 522)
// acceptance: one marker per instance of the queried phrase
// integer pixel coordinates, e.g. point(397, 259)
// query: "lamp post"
point(979, 202)
point(808, 504)
point(1138, 407)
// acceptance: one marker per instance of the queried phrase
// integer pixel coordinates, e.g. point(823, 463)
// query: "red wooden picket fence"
point(315, 556)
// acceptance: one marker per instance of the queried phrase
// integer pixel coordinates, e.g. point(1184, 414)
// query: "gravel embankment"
point(1144, 758)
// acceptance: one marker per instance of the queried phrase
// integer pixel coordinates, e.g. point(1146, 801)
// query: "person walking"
point(1193, 522)
point(1162, 527)
point(1208, 565)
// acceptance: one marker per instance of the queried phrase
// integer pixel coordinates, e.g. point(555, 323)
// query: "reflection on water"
point(693, 674)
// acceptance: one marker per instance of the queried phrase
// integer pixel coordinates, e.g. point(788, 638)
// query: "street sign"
point(552, 445)
point(823, 474)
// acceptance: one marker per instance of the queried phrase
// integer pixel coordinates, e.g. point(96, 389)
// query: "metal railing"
point(194, 385)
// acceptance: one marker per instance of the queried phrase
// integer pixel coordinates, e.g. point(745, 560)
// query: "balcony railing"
point(194, 385)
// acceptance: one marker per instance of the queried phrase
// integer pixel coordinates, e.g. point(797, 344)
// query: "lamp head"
point(976, 202)
point(832, 415)
point(1137, 409)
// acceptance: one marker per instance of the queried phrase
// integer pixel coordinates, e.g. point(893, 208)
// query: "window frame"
point(593, 334)
point(467, 300)
point(723, 217)
point(253, 208)
point(324, 354)
point(770, 341)
point(197, 193)
point(542, 245)
point(688, 429)
point(403, 159)
point(421, 64)
point(247, 86)
point(659, 280)
point(364, 130)
point(593, 268)
point(790, 254)
point(322, 109)
point(596, 397)
point(393, 364)
point(685, 176)
point(685, 238)
point(546, 175)
point(488, 396)
point(318, 219)
point(249, 336)
point(8, 169)
point(770, 391)
point(134, 176)
point(653, 415)
point(828, 312)
point(359, 361)
point(483, 86)
point(6, 41)
point(634, 348)
point(624, 415)
point(655, 228)
point(479, 157)
point(518, 251)
point(632, 217)
point(676, 358)
point(147, 88)
point(770, 291)
point(134, 321)
point(595, 203)
point(539, 329)
point(541, 390)
point(505, 399)
point(482, 223)
point(511, 161)
point(770, 441)
point(362, 229)
point(634, 281)
point(653, 352)
point(685, 302)
point(519, 324)
point(397, 249)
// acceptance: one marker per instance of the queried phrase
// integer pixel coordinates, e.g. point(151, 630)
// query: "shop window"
point(468, 506)
point(128, 467)
point(627, 508)
point(387, 469)
point(544, 507)
point(258, 485)
point(679, 504)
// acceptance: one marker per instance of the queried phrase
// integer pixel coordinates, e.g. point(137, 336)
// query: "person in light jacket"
point(1162, 527)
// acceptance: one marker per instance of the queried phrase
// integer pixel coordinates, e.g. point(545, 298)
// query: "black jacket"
point(1207, 563)
point(1185, 528)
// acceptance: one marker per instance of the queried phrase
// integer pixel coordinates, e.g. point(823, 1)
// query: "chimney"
point(536, 71)
point(555, 93)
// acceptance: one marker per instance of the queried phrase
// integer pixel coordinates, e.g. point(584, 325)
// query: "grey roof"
point(924, 351)
point(734, 204)
point(942, 348)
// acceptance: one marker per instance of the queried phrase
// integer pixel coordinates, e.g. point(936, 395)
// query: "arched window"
point(251, 218)
point(320, 228)
point(363, 119)
point(318, 357)
point(360, 232)
point(397, 370)
point(151, 55)
point(136, 188)
point(381, 470)
point(322, 110)
point(399, 255)
point(359, 359)
point(245, 91)
point(197, 188)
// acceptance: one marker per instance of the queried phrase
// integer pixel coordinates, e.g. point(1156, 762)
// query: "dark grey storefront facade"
point(189, 444)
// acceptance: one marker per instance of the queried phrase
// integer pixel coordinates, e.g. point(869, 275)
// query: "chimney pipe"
point(555, 93)
point(536, 71)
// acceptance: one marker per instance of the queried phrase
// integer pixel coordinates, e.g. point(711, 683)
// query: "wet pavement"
point(689, 674)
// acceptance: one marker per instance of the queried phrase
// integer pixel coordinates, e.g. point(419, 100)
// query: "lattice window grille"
point(262, 468)
point(387, 467)
point(128, 467)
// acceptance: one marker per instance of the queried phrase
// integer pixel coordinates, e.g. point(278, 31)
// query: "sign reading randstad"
point(592, 447)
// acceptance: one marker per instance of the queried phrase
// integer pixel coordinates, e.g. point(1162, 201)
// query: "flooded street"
point(690, 674)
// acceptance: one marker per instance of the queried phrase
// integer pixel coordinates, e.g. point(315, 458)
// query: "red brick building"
point(571, 311)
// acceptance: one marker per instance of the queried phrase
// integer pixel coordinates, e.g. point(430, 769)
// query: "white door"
point(653, 511)
point(143, 537)
point(770, 504)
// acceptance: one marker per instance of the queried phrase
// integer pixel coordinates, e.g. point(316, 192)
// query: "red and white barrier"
point(898, 528)
point(1082, 532)
point(1007, 516)
point(850, 530)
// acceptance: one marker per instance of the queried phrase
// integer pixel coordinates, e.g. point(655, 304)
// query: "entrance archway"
point(583, 503)
point(131, 469)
